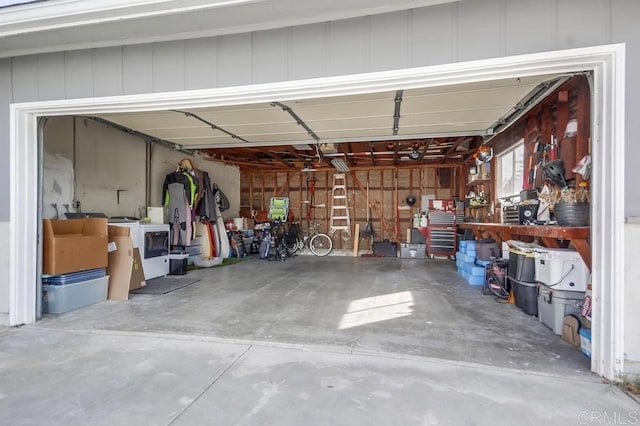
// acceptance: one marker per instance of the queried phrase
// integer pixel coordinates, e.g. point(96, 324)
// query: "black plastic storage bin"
point(526, 296)
point(487, 250)
point(522, 265)
point(178, 263)
point(386, 248)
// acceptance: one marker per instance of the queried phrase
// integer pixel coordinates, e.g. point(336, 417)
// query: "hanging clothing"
point(180, 216)
point(206, 209)
point(179, 191)
point(184, 178)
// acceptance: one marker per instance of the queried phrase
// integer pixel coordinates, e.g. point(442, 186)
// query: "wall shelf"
point(478, 181)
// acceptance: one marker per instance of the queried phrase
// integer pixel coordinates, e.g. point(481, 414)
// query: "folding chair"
point(279, 208)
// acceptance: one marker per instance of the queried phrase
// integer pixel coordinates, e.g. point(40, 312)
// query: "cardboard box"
point(120, 262)
point(125, 266)
point(74, 245)
point(137, 272)
point(571, 330)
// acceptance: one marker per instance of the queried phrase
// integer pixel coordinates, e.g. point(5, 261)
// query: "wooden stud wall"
point(549, 118)
point(388, 189)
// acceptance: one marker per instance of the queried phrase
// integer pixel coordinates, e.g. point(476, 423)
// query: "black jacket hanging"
point(206, 209)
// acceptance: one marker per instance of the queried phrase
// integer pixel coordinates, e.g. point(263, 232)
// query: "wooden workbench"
point(550, 236)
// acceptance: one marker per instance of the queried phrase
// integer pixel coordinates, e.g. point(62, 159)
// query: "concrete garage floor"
point(334, 340)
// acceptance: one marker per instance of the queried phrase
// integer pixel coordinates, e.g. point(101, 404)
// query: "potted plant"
point(571, 206)
point(574, 206)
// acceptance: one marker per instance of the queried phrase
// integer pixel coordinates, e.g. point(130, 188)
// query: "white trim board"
point(608, 144)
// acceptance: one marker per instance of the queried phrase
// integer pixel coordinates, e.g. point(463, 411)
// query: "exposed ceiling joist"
point(454, 148)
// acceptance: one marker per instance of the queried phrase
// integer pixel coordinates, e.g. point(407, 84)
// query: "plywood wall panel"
point(201, 63)
point(308, 51)
point(234, 60)
point(388, 34)
point(168, 66)
point(79, 73)
point(481, 29)
point(520, 15)
point(6, 96)
point(51, 80)
point(24, 77)
point(107, 71)
point(433, 35)
point(137, 69)
point(270, 56)
point(592, 28)
point(348, 46)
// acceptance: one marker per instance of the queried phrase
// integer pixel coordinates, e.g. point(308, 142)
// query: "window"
point(510, 171)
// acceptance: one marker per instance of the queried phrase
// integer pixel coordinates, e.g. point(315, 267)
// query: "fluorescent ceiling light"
point(340, 165)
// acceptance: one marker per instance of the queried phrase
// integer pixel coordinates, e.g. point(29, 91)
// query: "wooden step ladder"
point(340, 219)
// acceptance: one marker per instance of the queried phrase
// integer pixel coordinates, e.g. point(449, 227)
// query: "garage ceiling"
point(435, 125)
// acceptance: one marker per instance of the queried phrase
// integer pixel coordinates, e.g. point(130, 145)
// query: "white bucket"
point(238, 222)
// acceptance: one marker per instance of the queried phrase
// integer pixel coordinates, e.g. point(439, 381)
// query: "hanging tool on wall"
point(552, 147)
point(367, 229)
point(534, 162)
point(539, 155)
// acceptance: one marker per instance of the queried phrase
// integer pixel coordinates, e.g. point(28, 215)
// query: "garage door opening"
point(607, 66)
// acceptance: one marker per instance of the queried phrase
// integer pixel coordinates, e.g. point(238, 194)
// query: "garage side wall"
point(111, 168)
point(310, 198)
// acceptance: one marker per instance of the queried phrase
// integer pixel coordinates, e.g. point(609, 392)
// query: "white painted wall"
point(632, 297)
point(107, 160)
point(59, 136)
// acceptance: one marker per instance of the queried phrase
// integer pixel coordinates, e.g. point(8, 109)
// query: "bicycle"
point(319, 243)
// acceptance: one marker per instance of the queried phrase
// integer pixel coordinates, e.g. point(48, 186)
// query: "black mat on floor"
point(164, 285)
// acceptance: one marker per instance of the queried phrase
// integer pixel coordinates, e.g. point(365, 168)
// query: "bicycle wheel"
point(320, 244)
point(293, 247)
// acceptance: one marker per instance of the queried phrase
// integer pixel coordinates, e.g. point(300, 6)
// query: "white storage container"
point(413, 251)
point(158, 214)
point(67, 297)
point(554, 305)
point(561, 269)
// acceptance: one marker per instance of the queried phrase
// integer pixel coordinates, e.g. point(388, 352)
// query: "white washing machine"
point(152, 239)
